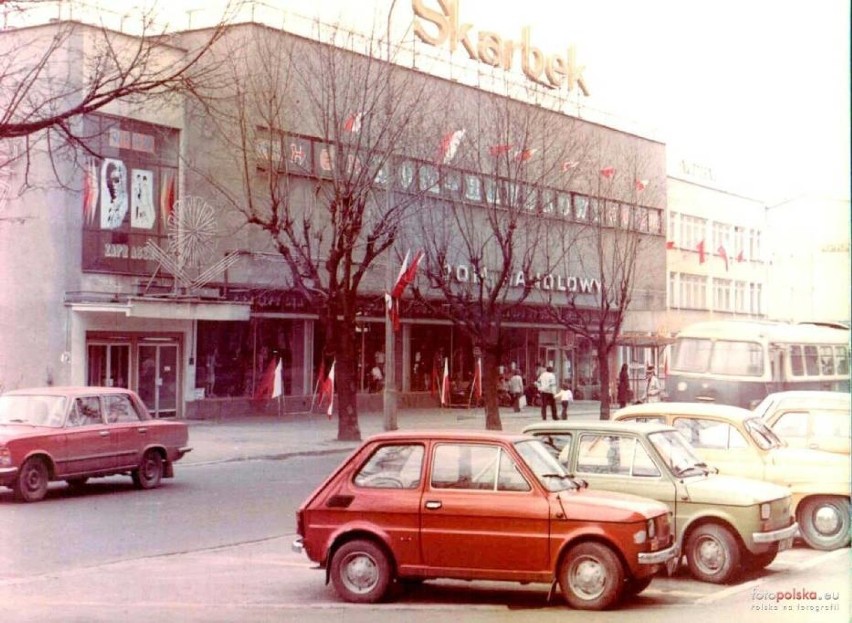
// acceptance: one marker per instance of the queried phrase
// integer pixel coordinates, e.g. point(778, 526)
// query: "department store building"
point(95, 292)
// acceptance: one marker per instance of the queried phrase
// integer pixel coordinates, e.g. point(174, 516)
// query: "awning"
point(644, 339)
point(167, 308)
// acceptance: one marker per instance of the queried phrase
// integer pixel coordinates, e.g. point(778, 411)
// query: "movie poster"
point(142, 214)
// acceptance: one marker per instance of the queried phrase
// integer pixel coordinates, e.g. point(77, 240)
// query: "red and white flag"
point(740, 256)
point(445, 385)
point(525, 154)
point(700, 248)
point(405, 277)
point(449, 146)
point(266, 386)
point(641, 185)
point(277, 381)
point(723, 254)
point(327, 390)
point(353, 123)
point(608, 172)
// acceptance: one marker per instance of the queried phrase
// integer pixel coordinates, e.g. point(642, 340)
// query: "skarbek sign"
point(550, 70)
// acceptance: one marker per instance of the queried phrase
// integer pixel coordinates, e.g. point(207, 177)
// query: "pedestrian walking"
point(653, 389)
point(516, 390)
point(565, 396)
point(546, 384)
point(623, 386)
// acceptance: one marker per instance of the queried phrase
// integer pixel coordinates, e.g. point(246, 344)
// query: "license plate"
point(785, 544)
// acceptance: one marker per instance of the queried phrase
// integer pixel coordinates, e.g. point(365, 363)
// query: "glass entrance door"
point(108, 365)
point(158, 378)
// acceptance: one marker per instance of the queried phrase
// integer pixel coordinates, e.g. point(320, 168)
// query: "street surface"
point(214, 545)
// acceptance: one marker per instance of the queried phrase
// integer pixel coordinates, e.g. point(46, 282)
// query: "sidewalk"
point(299, 434)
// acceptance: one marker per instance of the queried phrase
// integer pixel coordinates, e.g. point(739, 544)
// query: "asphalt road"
point(213, 545)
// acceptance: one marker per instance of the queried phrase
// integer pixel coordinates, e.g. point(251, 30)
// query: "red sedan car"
point(76, 433)
point(412, 506)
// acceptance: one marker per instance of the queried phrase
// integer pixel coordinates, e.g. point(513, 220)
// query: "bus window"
point(811, 361)
point(826, 360)
point(691, 355)
point(797, 362)
point(842, 359)
point(737, 358)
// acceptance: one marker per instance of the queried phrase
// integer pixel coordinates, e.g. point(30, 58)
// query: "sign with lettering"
point(441, 25)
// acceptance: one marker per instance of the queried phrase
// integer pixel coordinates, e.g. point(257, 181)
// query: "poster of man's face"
point(113, 193)
point(142, 213)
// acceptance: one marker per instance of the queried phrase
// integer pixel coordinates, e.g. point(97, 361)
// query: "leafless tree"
point(613, 237)
point(54, 73)
point(307, 133)
point(519, 153)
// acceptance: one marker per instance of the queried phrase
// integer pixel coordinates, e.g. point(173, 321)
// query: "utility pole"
point(390, 393)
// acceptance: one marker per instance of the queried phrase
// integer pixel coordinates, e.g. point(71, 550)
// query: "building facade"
point(137, 274)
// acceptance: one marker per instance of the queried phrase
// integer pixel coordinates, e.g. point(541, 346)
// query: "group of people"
point(549, 392)
point(653, 388)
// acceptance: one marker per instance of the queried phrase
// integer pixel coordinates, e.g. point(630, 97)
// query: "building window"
point(740, 299)
point(722, 295)
point(689, 291)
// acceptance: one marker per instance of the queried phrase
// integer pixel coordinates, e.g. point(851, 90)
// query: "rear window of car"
point(119, 408)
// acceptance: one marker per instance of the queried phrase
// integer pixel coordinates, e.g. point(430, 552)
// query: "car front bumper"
point(658, 557)
point(776, 535)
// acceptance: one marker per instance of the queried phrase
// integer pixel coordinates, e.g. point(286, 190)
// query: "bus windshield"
point(737, 358)
point(691, 355)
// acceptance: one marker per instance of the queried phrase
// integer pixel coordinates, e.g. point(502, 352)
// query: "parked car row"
point(595, 508)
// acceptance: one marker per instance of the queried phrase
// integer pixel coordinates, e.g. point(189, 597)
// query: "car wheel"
point(360, 572)
point(150, 471)
point(633, 586)
point(824, 522)
point(31, 484)
point(713, 554)
point(77, 483)
point(591, 577)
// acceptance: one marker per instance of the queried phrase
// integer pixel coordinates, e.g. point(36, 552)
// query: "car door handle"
point(142, 430)
point(104, 433)
point(433, 505)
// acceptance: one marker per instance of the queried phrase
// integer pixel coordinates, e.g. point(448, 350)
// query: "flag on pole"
point(525, 154)
point(449, 146)
point(723, 254)
point(740, 256)
point(353, 123)
point(608, 172)
point(700, 248)
point(329, 389)
point(277, 387)
point(405, 277)
point(445, 385)
point(266, 385)
point(641, 185)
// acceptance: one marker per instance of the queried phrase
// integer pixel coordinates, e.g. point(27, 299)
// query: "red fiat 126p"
point(411, 506)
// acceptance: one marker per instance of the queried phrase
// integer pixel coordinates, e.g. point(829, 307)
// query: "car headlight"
point(652, 528)
point(5, 456)
point(765, 511)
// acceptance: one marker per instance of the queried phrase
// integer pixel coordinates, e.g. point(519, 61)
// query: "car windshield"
point(36, 410)
point(763, 436)
point(677, 454)
point(546, 468)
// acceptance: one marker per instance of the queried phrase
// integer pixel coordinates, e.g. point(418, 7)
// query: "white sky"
point(758, 90)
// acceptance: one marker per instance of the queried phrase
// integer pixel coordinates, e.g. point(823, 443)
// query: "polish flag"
point(449, 146)
point(723, 254)
point(740, 256)
point(277, 381)
point(700, 248)
point(608, 172)
point(641, 185)
point(266, 387)
point(525, 154)
point(353, 123)
point(328, 390)
point(445, 385)
point(670, 244)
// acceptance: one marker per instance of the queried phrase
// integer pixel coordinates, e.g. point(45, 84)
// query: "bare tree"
point(518, 153)
point(53, 74)
point(313, 129)
point(611, 238)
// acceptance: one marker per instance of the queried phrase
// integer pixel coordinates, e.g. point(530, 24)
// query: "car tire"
point(150, 471)
point(713, 554)
point(361, 572)
point(633, 587)
point(824, 522)
point(31, 483)
point(756, 562)
point(591, 577)
point(77, 483)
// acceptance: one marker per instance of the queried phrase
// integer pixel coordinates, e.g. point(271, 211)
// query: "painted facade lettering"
point(461, 273)
point(439, 27)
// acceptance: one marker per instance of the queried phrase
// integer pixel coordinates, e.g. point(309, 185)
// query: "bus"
point(740, 362)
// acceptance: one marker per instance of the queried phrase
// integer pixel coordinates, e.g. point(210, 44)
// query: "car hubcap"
point(710, 555)
point(588, 578)
point(827, 520)
point(360, 573)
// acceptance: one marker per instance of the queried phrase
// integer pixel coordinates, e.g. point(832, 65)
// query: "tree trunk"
point(490, 383)
point(603, 374)
point(346, 383)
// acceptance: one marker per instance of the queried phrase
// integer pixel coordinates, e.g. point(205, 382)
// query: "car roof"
point(448, 435)
point(705, 409)
point(804, 396)
point(67, 391)
point(605, 425)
